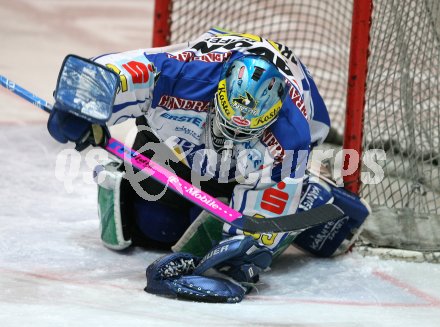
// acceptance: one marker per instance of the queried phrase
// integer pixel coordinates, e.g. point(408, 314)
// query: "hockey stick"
point(293, 222)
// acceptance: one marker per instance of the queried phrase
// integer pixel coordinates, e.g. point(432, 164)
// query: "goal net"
point(401, 113)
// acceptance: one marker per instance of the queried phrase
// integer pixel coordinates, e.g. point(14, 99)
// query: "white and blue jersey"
point(174, 88)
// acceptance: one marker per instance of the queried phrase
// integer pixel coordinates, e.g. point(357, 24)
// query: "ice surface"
point(55, 272)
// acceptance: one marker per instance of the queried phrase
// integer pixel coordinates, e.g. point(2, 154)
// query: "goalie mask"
point(248, 99)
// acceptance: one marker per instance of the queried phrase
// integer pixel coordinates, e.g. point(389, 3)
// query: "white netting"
point(402, 102)
point(402, 116)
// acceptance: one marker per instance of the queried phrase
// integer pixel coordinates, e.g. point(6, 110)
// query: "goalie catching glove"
point(225, 274)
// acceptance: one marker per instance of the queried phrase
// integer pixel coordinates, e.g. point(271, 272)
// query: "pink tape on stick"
point(172, 181)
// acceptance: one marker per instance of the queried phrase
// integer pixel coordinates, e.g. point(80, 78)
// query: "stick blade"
point(294, 222)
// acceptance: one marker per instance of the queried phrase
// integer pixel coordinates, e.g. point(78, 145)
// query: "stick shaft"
point(25, 94)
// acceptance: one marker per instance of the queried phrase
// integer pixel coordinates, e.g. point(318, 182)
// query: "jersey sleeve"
point(319, 119)
point(304, 93)
point(137, 74)
point(136, 85)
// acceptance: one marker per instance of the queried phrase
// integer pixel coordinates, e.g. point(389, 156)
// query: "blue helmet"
point(250, 94)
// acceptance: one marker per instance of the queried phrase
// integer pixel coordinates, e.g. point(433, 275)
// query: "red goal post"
point(356, 85)
point(377, 65)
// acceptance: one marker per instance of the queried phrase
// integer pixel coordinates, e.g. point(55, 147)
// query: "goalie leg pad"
point(113, 220)
point(126, 218)
point(334, 237)
point(199, 238)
